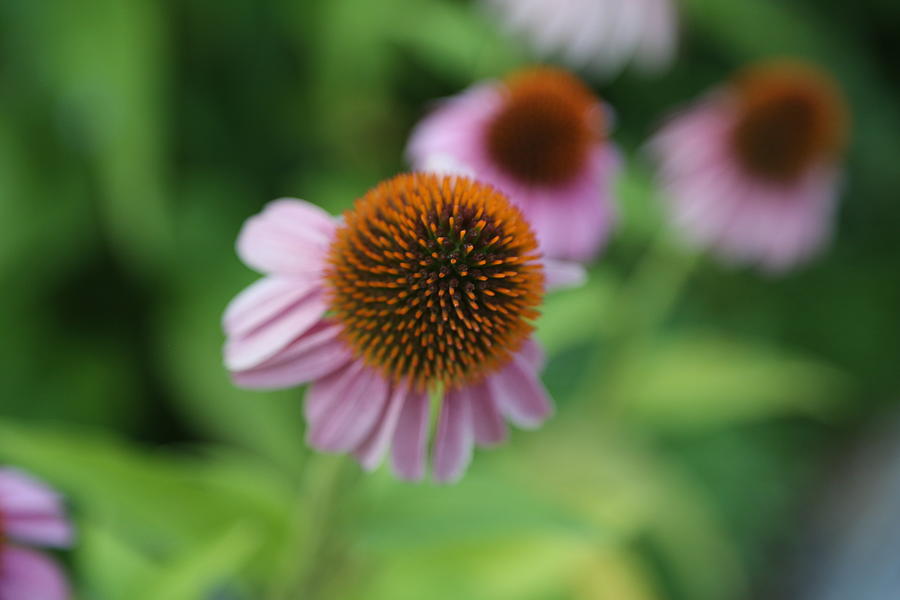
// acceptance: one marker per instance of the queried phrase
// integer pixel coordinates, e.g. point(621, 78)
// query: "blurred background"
point(720, 434)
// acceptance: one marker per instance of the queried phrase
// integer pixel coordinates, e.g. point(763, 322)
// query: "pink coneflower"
point(599, 35)
point(540, 137)
point(752, 169)
point(426, 291)
point(30, 513)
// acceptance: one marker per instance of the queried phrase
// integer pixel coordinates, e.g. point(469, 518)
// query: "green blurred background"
point(703, 413)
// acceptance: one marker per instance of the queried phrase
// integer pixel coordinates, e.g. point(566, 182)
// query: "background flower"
point(30, 514)
point(599, 35)
point(752, 170)
point(541, 137)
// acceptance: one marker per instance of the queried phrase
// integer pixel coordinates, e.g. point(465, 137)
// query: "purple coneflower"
point(426, 288)
point(30, 514)
point(540, 137)
point(752, 170)
point(599, 35)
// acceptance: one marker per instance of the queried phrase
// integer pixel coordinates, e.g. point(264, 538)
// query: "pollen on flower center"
point(543, 132)
point(434, 279)
point(789, 118)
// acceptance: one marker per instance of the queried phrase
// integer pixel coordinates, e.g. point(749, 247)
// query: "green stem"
point(328, 480)
point(642, 305)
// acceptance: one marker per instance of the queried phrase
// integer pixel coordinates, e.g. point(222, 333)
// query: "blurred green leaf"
point(158, 501)
point(105, 59)
point(704, 380)
point(109, 566)
point(202, 567)
point(456, 40)
point(573, 316)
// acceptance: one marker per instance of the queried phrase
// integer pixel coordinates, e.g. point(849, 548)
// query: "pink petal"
point(561, 274)
point(532, 355)
point(264, 300)
point(30, 511)
point(371, 451)
point(329, 389)
point(314, 354)
point(271, 337)
point(490, 427)
point(453, 441)
point(350, 417)
point(290, 237)
point(29, 575)
point(520, 395)
point(411, 436)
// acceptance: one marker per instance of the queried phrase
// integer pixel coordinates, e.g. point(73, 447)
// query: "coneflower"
point(752, 170)
point(427, 288)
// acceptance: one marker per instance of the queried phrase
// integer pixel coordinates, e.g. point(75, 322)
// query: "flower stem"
point(643, 303)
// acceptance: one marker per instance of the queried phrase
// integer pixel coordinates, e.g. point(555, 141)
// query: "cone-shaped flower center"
point(434, 279)
point(543, 132)
point(790, 117)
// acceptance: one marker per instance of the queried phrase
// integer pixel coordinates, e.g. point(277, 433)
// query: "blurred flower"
point(30, 513)
point(540, 138)
point(601, 35)
point(752, 169)
point(428, 285)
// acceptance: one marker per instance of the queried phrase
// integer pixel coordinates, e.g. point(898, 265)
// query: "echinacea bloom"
point(599, 35)
point(752, 170)
point(30, 514)
point(425, 290)
point(539, 137)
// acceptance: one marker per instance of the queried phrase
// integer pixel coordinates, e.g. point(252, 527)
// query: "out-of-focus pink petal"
point(490, 427)
point(371, 451)
point(290, 237)
point(270, 337)
point(314, 354)
point(600, 35)
point(454, 438)
point(411, 437)
point(29, 575)
point(31, 512)
point(520, 394)
point(561, 274)
point(350, 416)
point(532, 354)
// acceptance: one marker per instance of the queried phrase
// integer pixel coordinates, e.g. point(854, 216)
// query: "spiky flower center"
point(790, 117)
point(434, 279)
point(542, 133)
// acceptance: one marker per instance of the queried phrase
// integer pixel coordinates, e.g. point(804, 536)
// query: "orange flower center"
point(543, 132)
point(790, 117)
point(434, 279)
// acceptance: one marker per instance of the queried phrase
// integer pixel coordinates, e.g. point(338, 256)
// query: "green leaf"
point(706, 380)
point(574, 316)
point(202, 567)
point(456, 40)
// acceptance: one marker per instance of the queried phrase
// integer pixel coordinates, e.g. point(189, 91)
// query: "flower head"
point(540, 137)
point(428, 286)
point(752, 170)
point(600, 35)
point(30, 513)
